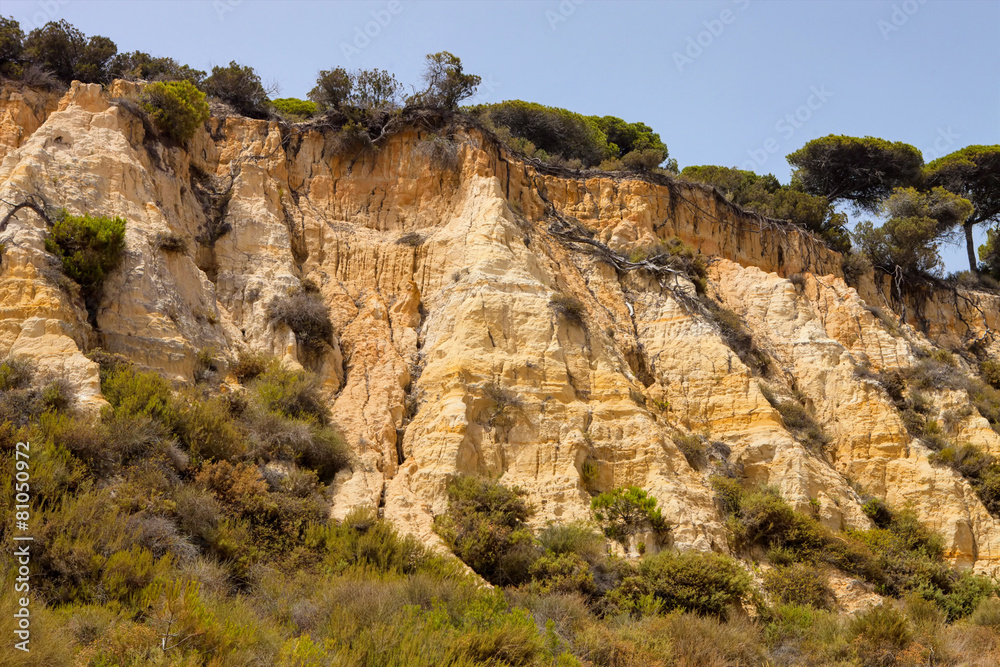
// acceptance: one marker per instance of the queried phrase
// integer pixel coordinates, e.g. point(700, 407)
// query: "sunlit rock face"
point(440, 273)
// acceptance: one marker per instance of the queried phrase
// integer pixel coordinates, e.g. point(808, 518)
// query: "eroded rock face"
point(440, 273)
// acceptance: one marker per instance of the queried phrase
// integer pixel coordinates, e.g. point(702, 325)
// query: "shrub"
point(798, 420)
point(290, 393)
point(577, 538)
point(703, 583)
point(693, 449)
point(89, 248)
point(569, 308)
point(739, 339)
point(142, 66)
point(643, 160)
point(249, 365)
point(549, 130)
point(172, 243)
point(294, 109)
point(412, 239)
point(799, 584)
point(440, 151)
point(760, 517)
point(16, 372)
point(505, 403)
point(855, 265)
point(485, 526)
point(626, 511)
point(333, 88)
point(208, 432)
point(133, 393)
point(177, 108)
point(305, 313)
point(990, 370)
point(880, 634)
point(239, 87)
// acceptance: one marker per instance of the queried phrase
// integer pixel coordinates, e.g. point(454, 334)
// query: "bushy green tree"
point(333, 88)
point(863, 171)
point(765, 195)
point(635, 144)
point(90, 248)
point(11, 45)
point(550, 129)
point(974, 173)
point(916, 221)
point(447, 82)
point(363, 90)
point(177, 108)
point(239, 87)
point(68, 54)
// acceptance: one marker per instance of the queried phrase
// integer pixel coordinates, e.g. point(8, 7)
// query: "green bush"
point(990, 370)
point(134, 393)
point(703, 583)
point(799, 584)
point(290, 393)
point(249, 365)
point(577, 538)
point(485, 526)
point(89, 248)
point(551, 130)
point(177, 108)
point(880, 634)
point(626, 511)
point(239, 87)
point(294, 109)
point(68, 54)
point(16, 372)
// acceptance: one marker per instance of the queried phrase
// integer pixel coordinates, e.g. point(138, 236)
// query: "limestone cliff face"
point(439, 270)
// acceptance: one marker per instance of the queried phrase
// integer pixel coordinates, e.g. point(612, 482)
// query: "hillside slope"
point(440, 266)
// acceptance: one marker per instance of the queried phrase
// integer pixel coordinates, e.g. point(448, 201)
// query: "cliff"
point(439, 260)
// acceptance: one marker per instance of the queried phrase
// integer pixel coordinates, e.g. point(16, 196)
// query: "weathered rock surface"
point(439, 275)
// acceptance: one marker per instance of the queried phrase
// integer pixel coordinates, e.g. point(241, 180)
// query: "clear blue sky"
point(736, 83)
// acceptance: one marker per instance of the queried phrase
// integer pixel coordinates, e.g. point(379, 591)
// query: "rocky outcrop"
point(439, 267)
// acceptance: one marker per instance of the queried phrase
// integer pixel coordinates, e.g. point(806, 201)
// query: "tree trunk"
point(971, 247)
